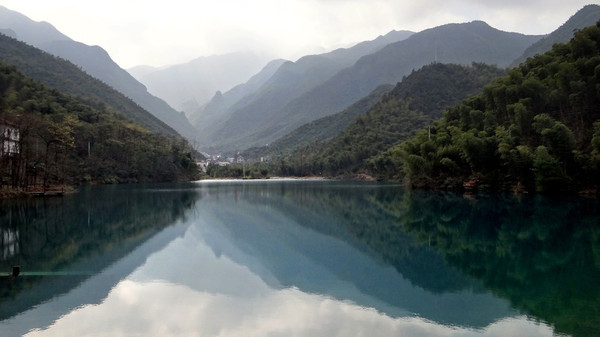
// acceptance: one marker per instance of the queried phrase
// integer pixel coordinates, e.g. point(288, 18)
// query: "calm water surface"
point(298, 258)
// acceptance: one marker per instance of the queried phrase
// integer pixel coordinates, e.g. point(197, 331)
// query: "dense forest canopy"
point(412, 104)
point(68, 78)
point(320, 130)
point(68, 140)
point(536, 129)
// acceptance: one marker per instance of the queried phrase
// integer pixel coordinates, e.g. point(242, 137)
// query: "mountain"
point(587, 16)
point(291, 80)
point(66, 77)
point(215, 112)
point(417, 100)
point(354, 142)
point(34, 33)
point(321, 129)
point(96, 62)
point(190, 85)
point(141, 71)
point(452, 43)
point(9, 33)
point(536, 129)
point(70, 140)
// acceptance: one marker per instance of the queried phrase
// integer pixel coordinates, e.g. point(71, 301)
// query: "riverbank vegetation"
point(66, 140)
point(412, 104)
point(537, 129)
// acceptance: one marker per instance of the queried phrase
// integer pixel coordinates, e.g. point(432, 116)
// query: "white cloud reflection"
point(215, 296)
point(162, 309)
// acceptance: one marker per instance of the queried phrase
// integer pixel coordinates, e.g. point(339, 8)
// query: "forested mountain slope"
point(413, 103)
point(66, 140)
point(291, 80)
point(537, 129)
point(319, 130)
point(68, 78)
point(587, 16)
point(95, 61)
point(453, 43)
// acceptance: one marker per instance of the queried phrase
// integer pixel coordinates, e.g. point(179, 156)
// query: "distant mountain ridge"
point(295, 78)
point(452, 43)
point(321, 129)
point(587, 16)
point(214, 113)
point(30, 31)
point(96, 62)
point(66, 77)
point(416, 101)
point(188, 86)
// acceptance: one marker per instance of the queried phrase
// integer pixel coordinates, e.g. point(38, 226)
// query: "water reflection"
point(322, 239)
point(543, 254)
point(61, 242)
point(331, 259)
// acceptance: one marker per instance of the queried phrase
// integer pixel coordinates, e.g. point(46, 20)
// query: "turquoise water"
point(298, 258)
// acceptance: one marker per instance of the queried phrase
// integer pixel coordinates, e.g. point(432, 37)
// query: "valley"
point(342, 113)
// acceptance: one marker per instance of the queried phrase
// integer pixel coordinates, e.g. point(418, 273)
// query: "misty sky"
point(141, 32)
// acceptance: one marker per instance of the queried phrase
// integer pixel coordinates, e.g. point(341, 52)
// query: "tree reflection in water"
point(542, 253)
point(59, 242)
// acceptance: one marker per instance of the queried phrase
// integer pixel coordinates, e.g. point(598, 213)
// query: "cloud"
point(160, 32)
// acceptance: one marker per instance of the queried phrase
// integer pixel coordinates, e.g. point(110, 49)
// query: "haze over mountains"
point(212, 115)
point(228, 109)
point(585, 17)
point(95, 61)
point(67, 78)
point(291, 80)
point(452, 43)
point(188, 86)
point(268, 117)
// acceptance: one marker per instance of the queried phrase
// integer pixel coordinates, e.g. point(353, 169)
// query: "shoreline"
point(315, 178)
point(11, 193)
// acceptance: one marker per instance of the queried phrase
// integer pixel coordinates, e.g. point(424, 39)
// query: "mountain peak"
point(587, 8)
point(479, 23)
point(27, 30)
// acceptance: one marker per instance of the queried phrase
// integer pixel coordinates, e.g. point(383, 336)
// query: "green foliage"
point(530, 130)
point(66, 77)
point(362, 148)
point(549, 175)
point(438, 86)
point(64, 140)
point(382, 127)
point(319, 130)
point(585, 17)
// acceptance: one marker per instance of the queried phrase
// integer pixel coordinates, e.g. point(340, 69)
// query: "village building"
point(9, 138)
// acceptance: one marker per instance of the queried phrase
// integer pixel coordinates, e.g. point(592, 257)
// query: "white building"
point(9, 138)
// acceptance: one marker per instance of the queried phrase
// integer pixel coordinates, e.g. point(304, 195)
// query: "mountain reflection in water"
point(304, 258)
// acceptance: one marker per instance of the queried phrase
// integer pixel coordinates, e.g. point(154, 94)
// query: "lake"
point(298, 258)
